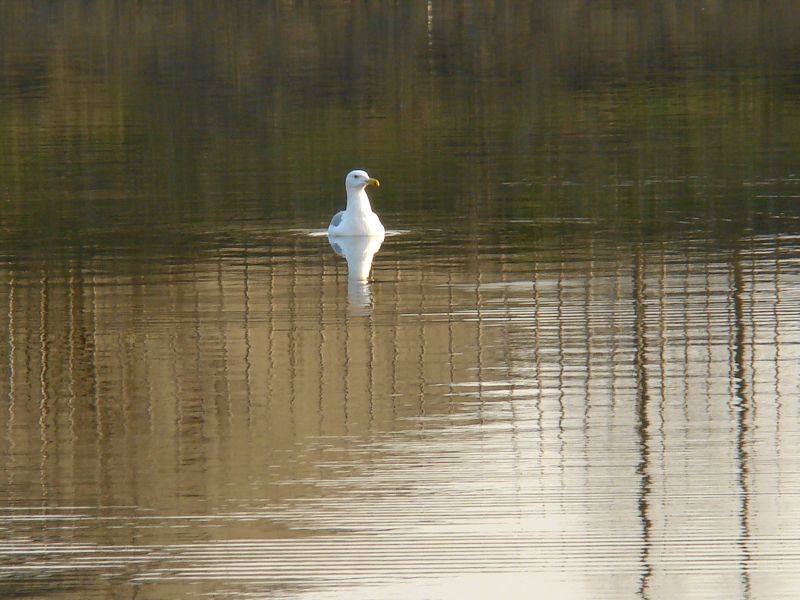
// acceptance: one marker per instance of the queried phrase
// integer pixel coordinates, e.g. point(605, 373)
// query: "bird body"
point(358, 251)
point(357, 219)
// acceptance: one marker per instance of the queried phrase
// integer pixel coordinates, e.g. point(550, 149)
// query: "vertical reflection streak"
point(708, 327)
point(642, 416)
point(395, 338)
point(248, 345)
point(197, 417)
point(663, 346)
point(450, 343)
point(371, 383)
point(479, 333)
point(688, 339)
point(222, 393)
point(776, 341)
point(562, 417)
point(346, 318)
point(615, 337)
point(588, 319)
point(173, 342)
point(44, 399)
point(422, 347)
point(96, 378)
point(740, 407)
point(270, 371)
point(321, 343)
point(248, 349)
point(151, 402)
point(75, 344)
point(12, 391)
point(293, 358)
point(537, 374)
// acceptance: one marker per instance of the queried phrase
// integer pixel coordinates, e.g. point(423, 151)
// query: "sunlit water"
point(573, 372)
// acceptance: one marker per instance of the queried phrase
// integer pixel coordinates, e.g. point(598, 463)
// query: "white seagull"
point(358, 218)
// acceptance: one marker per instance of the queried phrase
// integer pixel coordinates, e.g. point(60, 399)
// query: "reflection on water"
point(358, 251)
point(575, 372)
point(605, 421)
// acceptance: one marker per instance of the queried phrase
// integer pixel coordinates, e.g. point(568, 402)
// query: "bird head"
point(358, 180)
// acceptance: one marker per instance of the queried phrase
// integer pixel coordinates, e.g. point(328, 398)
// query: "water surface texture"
point(573, 373)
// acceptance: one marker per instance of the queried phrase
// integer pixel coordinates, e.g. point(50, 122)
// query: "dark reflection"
point(643, 407)
point(135, 130)
point(741, 409)
point(359, 252)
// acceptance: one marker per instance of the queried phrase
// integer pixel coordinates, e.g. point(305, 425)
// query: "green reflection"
point(158, 123)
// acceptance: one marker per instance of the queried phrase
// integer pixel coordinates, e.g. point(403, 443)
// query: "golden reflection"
point(252, 382)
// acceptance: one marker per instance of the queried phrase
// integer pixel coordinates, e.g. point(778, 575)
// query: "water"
point(573, 371)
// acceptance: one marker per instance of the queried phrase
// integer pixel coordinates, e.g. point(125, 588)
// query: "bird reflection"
point(358, 251)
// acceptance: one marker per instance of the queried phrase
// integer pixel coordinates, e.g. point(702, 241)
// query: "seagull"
point(357, 219)
point(358, 251)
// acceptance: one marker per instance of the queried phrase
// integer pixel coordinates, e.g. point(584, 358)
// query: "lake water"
point(573, 372)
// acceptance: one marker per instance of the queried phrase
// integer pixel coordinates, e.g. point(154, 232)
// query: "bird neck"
point(358, 201)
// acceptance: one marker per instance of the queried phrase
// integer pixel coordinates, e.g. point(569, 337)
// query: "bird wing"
point(337, 218)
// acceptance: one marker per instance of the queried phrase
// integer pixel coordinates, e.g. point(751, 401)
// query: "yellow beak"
point(373, 181)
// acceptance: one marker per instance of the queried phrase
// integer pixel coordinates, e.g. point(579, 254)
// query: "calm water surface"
point(573, 374)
